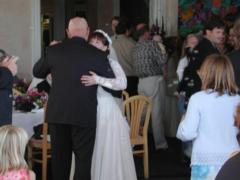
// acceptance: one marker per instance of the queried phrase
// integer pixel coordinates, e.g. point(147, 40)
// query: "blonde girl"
point(209, 120)
point(13, 141)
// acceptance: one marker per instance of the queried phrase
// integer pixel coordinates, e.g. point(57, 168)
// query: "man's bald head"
point(78, 27)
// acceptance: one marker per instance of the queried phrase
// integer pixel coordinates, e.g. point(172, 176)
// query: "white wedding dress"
point(112, 156)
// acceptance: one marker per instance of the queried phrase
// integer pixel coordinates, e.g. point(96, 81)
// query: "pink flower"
point(216, 3)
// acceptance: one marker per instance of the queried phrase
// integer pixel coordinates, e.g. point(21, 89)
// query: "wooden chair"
point(125, 96)
point(138, 110)
point(41, 147)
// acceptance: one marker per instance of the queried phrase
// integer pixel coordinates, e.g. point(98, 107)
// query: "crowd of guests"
point(208, 99)
point(200, 82)
point(207, 91)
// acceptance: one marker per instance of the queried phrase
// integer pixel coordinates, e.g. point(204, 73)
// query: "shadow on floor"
point(163, 164)
point(166, 164)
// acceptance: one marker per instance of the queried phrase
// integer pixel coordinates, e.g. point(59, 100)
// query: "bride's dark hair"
point(100, 37)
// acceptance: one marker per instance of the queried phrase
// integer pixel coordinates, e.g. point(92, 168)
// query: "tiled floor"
point(163, 164)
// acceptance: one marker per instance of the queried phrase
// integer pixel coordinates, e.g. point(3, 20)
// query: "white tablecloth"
point(28, 120)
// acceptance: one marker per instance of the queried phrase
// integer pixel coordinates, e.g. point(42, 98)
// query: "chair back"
point(45, 129)
point(125, 95)
point(137, 110)
point(40, 147)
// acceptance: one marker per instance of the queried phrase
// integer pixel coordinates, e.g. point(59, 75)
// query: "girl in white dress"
point(112, 156)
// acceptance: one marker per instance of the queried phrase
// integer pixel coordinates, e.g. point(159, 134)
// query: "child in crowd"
point(209, 120)
point(12, 149)
point(187, 50)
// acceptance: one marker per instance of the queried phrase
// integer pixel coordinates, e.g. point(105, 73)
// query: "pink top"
point(22, 174)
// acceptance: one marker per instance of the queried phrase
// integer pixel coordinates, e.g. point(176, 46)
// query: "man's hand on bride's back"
point(89, 80)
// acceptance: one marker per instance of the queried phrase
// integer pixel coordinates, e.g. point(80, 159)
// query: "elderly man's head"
point(78, 27)
point(143, 32)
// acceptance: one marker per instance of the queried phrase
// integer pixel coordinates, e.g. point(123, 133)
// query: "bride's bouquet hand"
point(89, 80)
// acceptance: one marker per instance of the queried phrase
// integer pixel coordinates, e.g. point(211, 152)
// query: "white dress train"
point(112, 156)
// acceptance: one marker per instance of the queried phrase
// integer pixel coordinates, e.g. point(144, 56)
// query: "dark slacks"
point(66, 139)
point(132, 85)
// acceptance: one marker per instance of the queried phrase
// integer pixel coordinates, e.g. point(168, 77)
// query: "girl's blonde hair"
point(13, 141)
point(217, 73)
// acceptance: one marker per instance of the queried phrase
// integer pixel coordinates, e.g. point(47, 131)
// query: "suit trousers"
point(66, 139)
point(132, 85)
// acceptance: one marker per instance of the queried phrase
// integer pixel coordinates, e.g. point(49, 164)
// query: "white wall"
point(20, 32)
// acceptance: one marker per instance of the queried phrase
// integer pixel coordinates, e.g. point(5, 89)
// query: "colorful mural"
point(194, 13)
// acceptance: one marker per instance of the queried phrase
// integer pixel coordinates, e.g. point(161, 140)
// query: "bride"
point(112, 155)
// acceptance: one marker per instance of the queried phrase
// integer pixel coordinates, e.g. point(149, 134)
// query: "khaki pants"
point(154, 88)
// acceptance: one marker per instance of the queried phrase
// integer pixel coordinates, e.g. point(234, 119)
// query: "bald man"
point(72, 107)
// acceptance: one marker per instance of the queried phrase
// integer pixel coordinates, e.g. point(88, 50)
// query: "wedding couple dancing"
point(85, 118)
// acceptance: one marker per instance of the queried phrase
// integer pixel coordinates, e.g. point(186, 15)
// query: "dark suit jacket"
point(203, 49)
point(44, 86)
point(230, 170)
point(235, 59)
point(70, 102)
point(6, 82)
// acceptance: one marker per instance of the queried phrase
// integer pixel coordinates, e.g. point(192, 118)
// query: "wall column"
point(166, 11)
point(20, 33)
point(59, 19)
point(116, 7)
point(100, 13)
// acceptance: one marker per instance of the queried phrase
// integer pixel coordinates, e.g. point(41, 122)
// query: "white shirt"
point(183, 63)
point(209, 122)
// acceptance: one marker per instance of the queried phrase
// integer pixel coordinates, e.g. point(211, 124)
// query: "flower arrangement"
point(31, 100)
point(27, 100)
point(21, 85)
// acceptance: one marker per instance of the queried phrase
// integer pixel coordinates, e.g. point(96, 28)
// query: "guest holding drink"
point(8, 69)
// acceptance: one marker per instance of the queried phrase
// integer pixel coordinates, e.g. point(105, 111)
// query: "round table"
point(27, 120)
